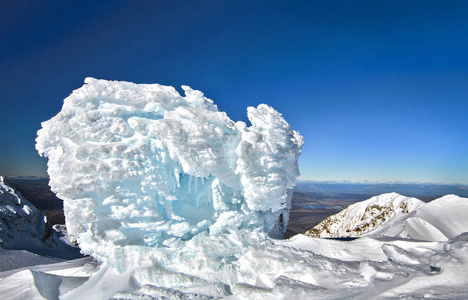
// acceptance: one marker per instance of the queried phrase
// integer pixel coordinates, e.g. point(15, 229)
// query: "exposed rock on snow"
point(365, 216)
point(398, 216)
point(23, 227)
point(65, 236)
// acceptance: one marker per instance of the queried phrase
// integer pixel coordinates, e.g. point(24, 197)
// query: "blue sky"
point(379, 89)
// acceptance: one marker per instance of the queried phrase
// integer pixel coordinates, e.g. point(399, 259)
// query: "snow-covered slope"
point(398, 216)
point(14, 259)
point(23, 227)
point(366, 216)
point(438, 220)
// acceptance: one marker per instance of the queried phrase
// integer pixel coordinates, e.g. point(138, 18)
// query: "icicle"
point(158, 205)
point(173, 185)
point(177, 177)
point(190, 184)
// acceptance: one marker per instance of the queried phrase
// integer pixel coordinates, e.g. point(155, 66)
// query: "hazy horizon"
point(301, 180)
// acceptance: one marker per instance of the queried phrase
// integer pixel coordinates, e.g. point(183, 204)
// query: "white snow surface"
point(14, 259)
point(394, 215)
point(23, 227)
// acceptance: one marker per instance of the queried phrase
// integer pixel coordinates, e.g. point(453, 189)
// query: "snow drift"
point(149, 177)
point(299, 268)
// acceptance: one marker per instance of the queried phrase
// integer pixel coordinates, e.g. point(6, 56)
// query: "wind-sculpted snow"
point(152, 178)
point(300, 268)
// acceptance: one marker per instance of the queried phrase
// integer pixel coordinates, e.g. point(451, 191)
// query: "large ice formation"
point(152, 179)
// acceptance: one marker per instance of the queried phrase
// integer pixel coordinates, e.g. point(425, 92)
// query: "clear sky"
point(379, 89)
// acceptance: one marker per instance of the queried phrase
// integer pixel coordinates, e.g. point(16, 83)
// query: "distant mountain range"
point(433, 190)
point(413, 189)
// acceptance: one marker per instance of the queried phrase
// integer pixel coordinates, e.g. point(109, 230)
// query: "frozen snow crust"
point(151, 178)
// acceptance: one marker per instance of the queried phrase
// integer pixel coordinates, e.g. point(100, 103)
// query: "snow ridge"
point(363, 217)
point(395, 215)
point(23, 227)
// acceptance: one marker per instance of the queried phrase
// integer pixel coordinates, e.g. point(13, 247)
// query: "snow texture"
point(14, 259)
point(149, 177)
point(300, 268)
point(23, 227)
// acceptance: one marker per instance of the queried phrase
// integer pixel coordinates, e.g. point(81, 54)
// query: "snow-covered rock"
point(394, 215)
point(23, 227)
point(65, 236)
point(363, 217)
point(149, 177)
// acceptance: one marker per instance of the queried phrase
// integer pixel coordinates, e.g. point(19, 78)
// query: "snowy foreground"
point(174, 200)
point(300, 268)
